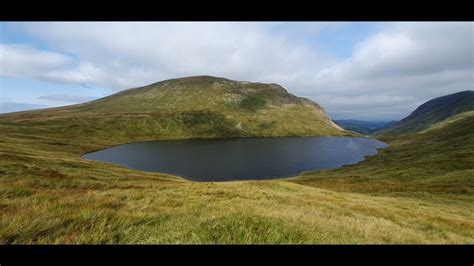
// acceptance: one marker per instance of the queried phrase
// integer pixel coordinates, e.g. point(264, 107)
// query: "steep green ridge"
point(192, 107)
point(431, 112)
point(449, 120)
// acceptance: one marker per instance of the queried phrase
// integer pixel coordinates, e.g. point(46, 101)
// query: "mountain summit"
point(195, 107)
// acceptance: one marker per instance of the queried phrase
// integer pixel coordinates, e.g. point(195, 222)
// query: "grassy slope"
point(193, 107)
point(431, 112)
point(410, 193)
point(404, 195)
point(448, 121)
point(439, 161)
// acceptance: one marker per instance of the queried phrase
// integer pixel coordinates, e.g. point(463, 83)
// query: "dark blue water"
point(241, 158)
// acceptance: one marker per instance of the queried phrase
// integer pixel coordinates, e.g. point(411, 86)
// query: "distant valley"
point(363, 127)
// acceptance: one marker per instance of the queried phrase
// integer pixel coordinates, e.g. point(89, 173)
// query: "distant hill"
point(437, 160)
point(363, 127)
point(419, 190)
point(191, 107)
point(431, 113)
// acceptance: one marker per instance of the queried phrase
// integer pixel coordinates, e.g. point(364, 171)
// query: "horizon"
point(334, 119)
point(369, 71)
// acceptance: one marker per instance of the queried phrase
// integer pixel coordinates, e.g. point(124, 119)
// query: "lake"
point(239, 158)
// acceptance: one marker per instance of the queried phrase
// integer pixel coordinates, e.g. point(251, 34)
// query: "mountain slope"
point(439, 160)
point(431, 112)
point(363, 127)
point(49, 194)
point(191, 107)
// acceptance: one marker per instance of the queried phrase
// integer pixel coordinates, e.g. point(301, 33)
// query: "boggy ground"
point(419, 190)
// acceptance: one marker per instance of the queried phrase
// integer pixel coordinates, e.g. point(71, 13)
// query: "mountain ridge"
point(193, 107)
point(431, 112)
point(417, 191)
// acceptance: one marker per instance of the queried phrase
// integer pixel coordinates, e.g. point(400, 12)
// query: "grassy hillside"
point(193, 107)
point(431, 112)
point(440, 160)
point(419, 190)
point(449, 120)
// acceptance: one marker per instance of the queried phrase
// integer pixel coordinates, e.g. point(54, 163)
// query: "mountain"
point(363, 127)
point(432, 112)
point(419, 190)
point(191, 107)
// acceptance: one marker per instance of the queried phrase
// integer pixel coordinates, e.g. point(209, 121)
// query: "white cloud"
point(399, 68)
point(26, 61)
point(416, 48)
point(83, 73)
point(388, 74)
point(125, 55)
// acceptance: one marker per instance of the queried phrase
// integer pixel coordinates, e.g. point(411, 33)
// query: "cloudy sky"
point(369, 71)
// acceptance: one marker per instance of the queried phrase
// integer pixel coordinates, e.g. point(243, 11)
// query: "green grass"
point(434, 111)
point(449, 120)
point(404, 195)
point(438, 161)
point(419, 190)
point(242, 107)
point(252, 103)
